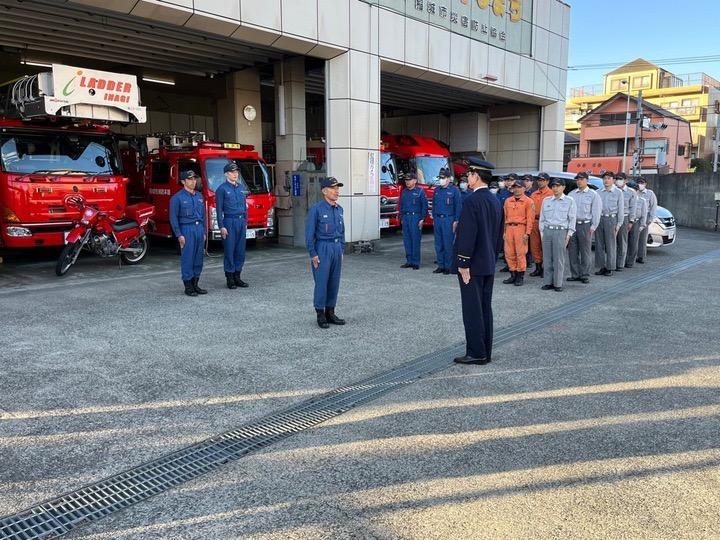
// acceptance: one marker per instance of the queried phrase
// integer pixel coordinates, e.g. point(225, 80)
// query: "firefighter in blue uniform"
point(187, 219)
point(446, 213)
point(479, 236)
point(232, 220)
point(325, 241)
point(413, 209)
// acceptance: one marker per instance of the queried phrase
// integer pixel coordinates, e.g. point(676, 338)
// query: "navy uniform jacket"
point(229, 202)
point(479, 233)
point(324, 222)
point(446, 201)
point(413, 201)
point(185, 209)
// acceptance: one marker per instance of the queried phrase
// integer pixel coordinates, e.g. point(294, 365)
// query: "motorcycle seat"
point(124, 224)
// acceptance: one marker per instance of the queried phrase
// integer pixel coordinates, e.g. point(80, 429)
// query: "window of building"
point(615, 119)
point(641, 82)
point(606, 148)
point(688, 106)
point(651, 146)
point(681, 150)
point(616, 85)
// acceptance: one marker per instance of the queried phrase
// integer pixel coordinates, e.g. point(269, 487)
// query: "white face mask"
point(444, 182)
point(463, 186)
point(641, 187)
point(493, 190)
point(501, 185)
point(619, 183)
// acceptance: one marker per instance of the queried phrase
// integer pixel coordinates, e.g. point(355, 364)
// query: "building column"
point(290, 136)
point(243, 88)
point(552, 137)
point(352, 106)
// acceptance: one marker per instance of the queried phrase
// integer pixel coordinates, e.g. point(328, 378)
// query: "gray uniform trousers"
point(580, 249)
point(554, 252)
point(622, 244)
point(606, 243)
point(633, 239)
point(642, 243)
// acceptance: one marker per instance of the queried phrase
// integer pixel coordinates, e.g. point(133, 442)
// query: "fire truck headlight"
point(271, 218)
point(18, 231)
point(213, 218)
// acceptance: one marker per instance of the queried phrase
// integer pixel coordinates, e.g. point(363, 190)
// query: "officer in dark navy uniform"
point(413, 208)
point(479, 236)
point(446, 213)
point(325, 241)
point(232, 219)
point(187, 219)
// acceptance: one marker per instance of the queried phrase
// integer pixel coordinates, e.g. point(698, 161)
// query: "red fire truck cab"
point(422, 155)
point(55, 144)
point(171, 154)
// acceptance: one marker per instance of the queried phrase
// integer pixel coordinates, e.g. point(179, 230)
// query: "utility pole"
point(627, 124)
point(716, 142)
point(638, 133)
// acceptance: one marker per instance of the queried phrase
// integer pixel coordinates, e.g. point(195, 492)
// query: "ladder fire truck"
point(56, 146)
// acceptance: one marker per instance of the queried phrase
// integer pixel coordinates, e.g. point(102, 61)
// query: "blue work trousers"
point(411, 238)
point(234, 244)
point(444, 238)
point(191, 256)
point(327, 274)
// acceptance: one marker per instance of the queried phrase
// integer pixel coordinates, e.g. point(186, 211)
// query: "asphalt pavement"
point(601, 425)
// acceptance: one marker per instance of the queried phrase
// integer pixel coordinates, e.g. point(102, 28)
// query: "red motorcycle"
point(106, 235)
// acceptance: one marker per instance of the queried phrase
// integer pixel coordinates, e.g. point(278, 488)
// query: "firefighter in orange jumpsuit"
point(537, 196)
point(519, 212)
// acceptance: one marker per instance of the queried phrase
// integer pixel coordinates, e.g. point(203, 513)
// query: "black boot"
point(511, 279)
point(197, 287)
point(321, 319)
point(519, 278)
point(230, 280)
point(332, 318)
point(239, 282)
point(189, 289)
point(538, 272)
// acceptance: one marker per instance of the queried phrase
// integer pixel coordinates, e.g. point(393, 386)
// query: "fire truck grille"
point(90, 503)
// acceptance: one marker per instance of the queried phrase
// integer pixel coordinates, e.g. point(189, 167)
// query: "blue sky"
point(605, 31)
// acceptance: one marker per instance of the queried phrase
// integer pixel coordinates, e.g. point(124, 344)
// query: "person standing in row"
point(557, 225)
point(652, 203)
point(629, 204)
point(187, 219)
point(589, 209)
point(231, 210)
point(325, 242)
point(519, 212)
point(479, 233)
point(538, 196)
point(446, 214)
point(638, 226)
point(529, 181)
point(413, 209)
point(613, 213)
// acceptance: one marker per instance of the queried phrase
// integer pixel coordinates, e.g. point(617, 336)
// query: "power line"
point(664, 61)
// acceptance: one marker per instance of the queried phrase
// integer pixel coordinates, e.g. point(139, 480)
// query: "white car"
point(661, 232)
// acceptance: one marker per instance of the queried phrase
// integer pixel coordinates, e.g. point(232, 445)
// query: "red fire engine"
point(172, 153)
point(55, 144)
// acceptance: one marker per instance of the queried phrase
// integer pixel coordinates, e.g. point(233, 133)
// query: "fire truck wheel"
point(67, 258)
point(141, 249)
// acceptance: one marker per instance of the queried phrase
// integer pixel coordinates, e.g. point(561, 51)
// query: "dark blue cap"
point(232, 166)
point(477, 163)
point(444, 173)
point(512, 177)
point(185, 175)
point(543, 176)
point(581, 174)
point(557, 182)
point(330, 181)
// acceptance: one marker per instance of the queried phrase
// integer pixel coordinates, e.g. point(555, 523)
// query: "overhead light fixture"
point(35, 63)
point(159, 81)
point(502, 118)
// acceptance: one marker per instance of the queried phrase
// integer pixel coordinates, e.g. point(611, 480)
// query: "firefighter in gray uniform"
point(613, 213)
point(639, 225)
point(629, 204)
point(557, 225)
point(587, 220)
point(652, 202)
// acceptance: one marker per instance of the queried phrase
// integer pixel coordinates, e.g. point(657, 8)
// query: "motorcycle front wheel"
point(68, 256)
point(140, 249)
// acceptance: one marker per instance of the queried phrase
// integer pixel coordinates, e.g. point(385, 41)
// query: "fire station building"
point(321, 77)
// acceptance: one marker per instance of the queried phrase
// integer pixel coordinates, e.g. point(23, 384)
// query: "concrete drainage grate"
point(58, 516)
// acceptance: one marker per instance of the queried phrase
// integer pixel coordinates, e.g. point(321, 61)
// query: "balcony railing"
point(588, 90)
point(689, 79)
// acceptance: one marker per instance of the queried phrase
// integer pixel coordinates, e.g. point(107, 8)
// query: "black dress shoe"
point(628, 266)
point(558, 289)
point(618, 269)
point(585, 280)
point(608, 273)
point(573, 279)
point(438, 270)
point(406, 265)
point(640, 260)
point(547, 288)
point(447, 272)
point(471, 360)
point(601, 272)
point(416, 267)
